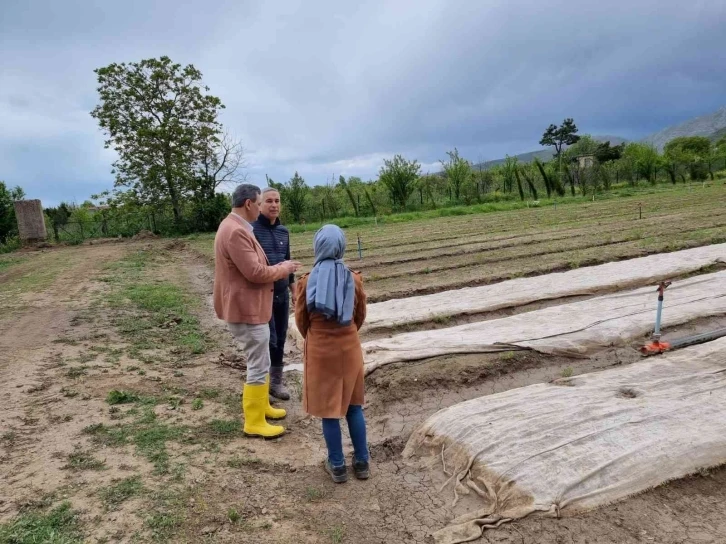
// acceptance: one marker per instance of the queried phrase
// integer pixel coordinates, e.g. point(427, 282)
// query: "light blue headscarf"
point(331, 289)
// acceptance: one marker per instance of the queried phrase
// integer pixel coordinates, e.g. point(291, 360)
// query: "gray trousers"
point(255, 342)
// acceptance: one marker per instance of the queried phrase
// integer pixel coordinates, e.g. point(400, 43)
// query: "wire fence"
point(126, 226)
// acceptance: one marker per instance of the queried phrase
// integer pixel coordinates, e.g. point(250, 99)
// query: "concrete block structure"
point(31, 222)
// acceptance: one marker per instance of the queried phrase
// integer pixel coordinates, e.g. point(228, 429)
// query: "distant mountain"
point(705, 125)
point(716, 136)
point(547, 153)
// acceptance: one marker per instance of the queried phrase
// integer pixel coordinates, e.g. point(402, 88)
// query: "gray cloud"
point(328, 87)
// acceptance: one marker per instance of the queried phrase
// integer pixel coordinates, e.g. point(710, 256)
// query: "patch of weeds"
point(121, 397)
point(507, 356)
point(83, 460)
point(231, 402)
point(77, 371)
point(146, 433)
point(167, 514)
point(67, 340)
point(197, 404)
point(113, 355)
point(442, 319)
point(113, 495)
point(239, 462)
point(58, 526)
point(313, 494)
point(567, 372)
point(336, 534)
point(211, 447)
point(224, 427)
point(68, 392)
point(178, 471)
point(209, 393)
point(178, 374)
point(165, 316)
point(233, 515)
point(132, 368)
point(175, 402)
point(87, 357)
point(141, 372)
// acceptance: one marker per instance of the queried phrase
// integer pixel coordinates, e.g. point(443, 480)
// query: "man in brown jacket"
point(243, 291)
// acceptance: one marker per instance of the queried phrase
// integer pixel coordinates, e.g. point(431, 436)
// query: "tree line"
point(176, 161)
point(580, 166)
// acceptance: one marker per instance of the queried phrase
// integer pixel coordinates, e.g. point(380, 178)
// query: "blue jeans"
point(334, 440)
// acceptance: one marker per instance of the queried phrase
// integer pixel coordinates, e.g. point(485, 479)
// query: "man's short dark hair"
point(243, 193)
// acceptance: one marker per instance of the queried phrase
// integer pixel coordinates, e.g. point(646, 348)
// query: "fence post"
point(360, 249)
point(80, 226)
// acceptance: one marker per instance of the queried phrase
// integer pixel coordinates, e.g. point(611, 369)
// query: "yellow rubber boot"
point(270, 412)
point(254, 402)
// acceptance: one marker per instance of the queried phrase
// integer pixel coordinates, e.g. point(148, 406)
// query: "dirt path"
point(75, 338)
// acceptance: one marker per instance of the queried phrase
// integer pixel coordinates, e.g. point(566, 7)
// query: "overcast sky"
point(330, 87)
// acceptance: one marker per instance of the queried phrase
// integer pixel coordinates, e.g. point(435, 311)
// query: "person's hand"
point(290, 267)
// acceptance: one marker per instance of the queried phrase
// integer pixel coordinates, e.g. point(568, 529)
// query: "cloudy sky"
point(330, 87)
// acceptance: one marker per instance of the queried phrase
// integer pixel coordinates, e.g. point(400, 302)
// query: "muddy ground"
point(168, 463)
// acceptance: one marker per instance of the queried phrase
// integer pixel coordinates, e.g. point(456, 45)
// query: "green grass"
point(233, 515)
point(150, 312)
point(313, 494)
point(150, 436)
point(167, 513)
point(83, 460)
point(121, 397)
point(197, 404)
point(114, 495)
point(58, 526)
point(35, 274)
point(239, 462)
point(224, 427)
point(336, 534)
point(77, 371)
point(8, 262)
point(147, 434)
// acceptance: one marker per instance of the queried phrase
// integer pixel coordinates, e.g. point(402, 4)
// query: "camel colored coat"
point(243, 280)
point(333, 370)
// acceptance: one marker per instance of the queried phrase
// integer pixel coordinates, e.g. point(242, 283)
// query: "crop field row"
point(428, 256)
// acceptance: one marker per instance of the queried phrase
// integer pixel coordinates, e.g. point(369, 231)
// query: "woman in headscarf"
point(330, 308)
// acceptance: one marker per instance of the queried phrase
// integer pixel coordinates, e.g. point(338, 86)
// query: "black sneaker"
point(338, 474)
point(361, 469)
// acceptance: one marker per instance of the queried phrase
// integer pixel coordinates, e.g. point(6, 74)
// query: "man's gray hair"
point(269, 190)
point(243, 193)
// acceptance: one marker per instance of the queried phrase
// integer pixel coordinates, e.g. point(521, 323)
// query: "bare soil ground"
point(121, 397)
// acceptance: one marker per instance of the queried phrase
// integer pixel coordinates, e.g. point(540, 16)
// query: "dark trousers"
point(278, 327)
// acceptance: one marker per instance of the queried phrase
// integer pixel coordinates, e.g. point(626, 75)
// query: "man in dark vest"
point(275, 241)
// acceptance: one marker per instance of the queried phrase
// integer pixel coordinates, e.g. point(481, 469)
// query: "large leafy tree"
point(160, 121)
point(565, 134)
point(643, 159)
point(457, 171)
point(399, 176)
point(691, 152)
point(8, 224)
point(295, 194)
